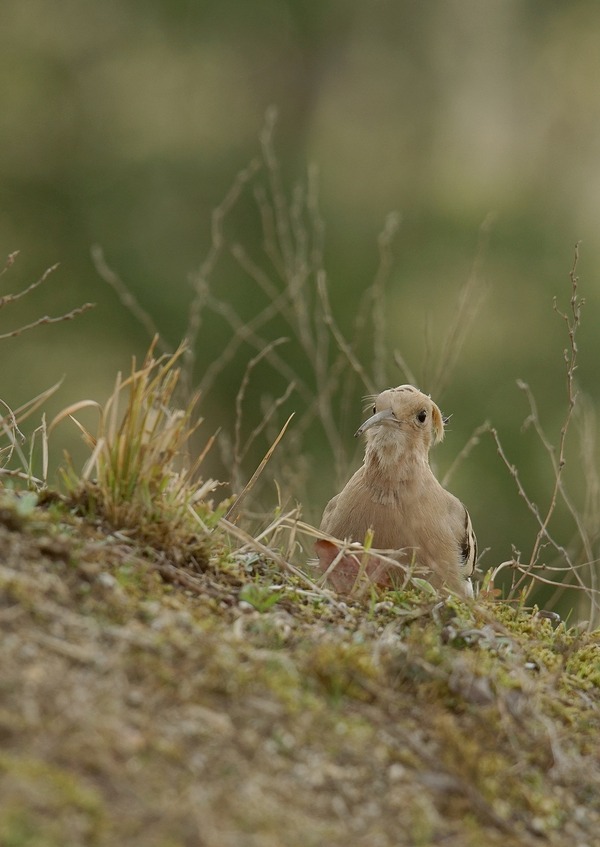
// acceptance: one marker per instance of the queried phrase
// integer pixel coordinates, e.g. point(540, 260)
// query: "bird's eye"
point(422, 416)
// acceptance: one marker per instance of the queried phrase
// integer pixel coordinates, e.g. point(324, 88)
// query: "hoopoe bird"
point(396, 497)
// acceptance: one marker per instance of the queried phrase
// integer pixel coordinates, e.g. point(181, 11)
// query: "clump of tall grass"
point(139, 475)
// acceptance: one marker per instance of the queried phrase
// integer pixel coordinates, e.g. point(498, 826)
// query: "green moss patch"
point(146, 703)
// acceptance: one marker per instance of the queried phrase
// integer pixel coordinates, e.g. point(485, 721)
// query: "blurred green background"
point(124, 124)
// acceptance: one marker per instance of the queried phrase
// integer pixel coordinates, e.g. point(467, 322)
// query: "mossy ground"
point(145, 702)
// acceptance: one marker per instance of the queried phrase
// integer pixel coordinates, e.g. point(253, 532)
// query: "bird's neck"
point(390, 462)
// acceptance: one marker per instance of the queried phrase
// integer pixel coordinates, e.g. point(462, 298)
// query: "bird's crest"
point(437, 419)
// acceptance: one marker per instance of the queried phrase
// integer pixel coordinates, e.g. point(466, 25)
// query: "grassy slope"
point(144, 703)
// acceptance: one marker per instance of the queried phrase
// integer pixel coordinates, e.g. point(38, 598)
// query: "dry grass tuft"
point(137, 476)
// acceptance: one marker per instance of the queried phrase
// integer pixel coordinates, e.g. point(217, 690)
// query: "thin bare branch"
point(10, 260)
point(238, 452)
point(469, 302)
point(12, 298)
point(559, 461)
point(68, 316)
point(472, 442)
point(405, 368)
point(269, 414)
point(209, 264)
point(386, 259)
point(246, 332)
point(530, 574)
point(127, 298)
point(339, 338)
point(282, 221)
point(533, 508)
point(559, 485)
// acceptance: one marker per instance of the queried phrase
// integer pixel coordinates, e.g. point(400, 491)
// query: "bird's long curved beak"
point(384, 415)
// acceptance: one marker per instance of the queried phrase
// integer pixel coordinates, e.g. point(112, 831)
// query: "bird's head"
point(406, 414)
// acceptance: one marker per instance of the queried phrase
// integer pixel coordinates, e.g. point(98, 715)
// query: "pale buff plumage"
point(396, 495)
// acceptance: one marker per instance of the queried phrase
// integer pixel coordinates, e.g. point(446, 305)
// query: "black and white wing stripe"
point(468, 548)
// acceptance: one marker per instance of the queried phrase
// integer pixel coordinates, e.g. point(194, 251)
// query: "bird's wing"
point(468, 548)
point(328, 512)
